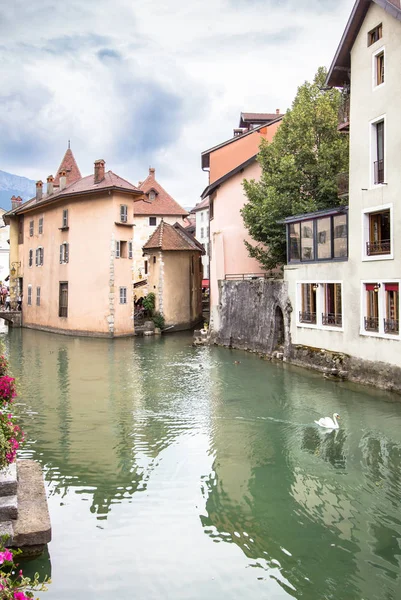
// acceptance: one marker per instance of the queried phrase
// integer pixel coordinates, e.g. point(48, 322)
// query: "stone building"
point(72, 248)
point(150, 209)
point(175, 275)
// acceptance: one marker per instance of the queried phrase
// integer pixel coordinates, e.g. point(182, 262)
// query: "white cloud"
point(150, 82)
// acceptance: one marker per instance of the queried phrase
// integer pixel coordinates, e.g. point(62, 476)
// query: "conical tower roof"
point(69, 165)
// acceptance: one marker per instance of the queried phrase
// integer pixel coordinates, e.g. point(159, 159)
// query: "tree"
point(299, 170)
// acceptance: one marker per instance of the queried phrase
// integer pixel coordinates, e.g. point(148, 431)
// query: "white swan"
point(328, 422)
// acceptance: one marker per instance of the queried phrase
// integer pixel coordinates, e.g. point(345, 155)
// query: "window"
point(308, 303)
point(39, 256)
point(379, 68)
point(152, 195)
point(29, 295)
point(207, 232)
point(123, 295)
point(201, 216)
point(40, 225)
point(154, 260)
point(130, 253)
point(202, 232)
point(64, 224)
point(332, 305)
point(307, 249)
point(30, 258)
point(211, 209)
point(118, 248)
point(379, 241)
point(391, 321)
point(324, 238)
point(378, 152)
point(152, 221)
point(63, 299)
point(146, 267)
point(372, 307)
point(64, 252)
point(294, 242)
point(38, 296)
point(375, 34)
point(123, 213)
point(30, 228)
point(340, 236)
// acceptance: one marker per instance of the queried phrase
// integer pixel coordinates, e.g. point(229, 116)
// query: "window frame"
point(123, 213)
point(65, 219)
point(31, 228)
point(39, 260)
point(375, 63)
point(382, 313)
point(320, 305)
point(38, 296)
point(315, 247)
point(118, 249)
point(30, 258)
point(123, 295)
point(130, 249)
point(371, 34)
point(40, 226)
point(29, 295)
point(366, 213)
point(64, 253)
point(63, 307)
point(151, 224)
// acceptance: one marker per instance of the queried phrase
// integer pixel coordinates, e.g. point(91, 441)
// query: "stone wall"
point(254, 315)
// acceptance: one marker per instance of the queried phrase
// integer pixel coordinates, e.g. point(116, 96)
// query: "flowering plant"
point(7, 389)
point(3, 365)
point(11, 437)
point(13, 585)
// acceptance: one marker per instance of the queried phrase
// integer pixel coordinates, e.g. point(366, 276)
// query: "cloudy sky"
point(150, 82)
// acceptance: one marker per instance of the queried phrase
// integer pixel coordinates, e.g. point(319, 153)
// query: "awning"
point(371, 287)
point(391, 287)
point(205, 283)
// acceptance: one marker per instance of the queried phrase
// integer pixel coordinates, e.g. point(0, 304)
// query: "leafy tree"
point(299, 170)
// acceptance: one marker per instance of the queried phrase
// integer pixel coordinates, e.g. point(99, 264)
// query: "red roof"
point(82, 186)
point(163, 204)
point(202, 205)
point(69, 165)
point(172, 237)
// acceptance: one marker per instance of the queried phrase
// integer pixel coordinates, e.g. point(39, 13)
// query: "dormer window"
point(375, 34)
point(152, 194)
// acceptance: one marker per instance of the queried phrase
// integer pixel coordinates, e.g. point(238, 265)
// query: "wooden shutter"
point(67, 252)
point(61, 253)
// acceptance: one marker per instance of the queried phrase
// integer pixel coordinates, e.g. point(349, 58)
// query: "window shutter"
point(67, 252)
point(36, 257)
point(42, 251)
point(61, 253)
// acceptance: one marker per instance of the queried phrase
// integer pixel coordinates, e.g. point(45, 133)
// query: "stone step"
point(7, 530)
point(8, 508)
point(8, 481)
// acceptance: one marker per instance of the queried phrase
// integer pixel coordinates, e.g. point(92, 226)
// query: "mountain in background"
point(14, 185)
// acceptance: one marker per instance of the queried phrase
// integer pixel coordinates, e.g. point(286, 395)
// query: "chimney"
point(140, 183)
point(16, 202)
point(152, 172)
point(62, 179)
point(50, 181)
point(99, 170)
point(277, 111)
point(39, 186)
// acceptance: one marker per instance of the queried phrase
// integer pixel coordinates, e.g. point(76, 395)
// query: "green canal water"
point(174, 473)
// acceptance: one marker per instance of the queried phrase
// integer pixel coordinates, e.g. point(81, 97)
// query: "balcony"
point(307, 317)
point(376, 248)
point(344, 113)
point(371, 324)
point(378, 171)
point(343, 184)
point(391, 326)
point(332, 320)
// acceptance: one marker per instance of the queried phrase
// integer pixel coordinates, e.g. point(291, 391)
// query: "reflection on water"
point(174, 473)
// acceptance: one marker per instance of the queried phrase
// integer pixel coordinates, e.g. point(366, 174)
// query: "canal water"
point(176, 473)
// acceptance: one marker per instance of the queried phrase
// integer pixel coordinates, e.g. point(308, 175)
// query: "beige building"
point(175, 275)
point(72, 248)
point(353, 306)
point(154, 205)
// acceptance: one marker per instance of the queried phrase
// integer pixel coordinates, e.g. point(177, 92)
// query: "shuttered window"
point(64, 252)
point(29, 295)
point(118, 249)
point(123, 295)
point(30, 228)
point(129, 249)
point(63, 299)
point(65, 218)
point(123, 213)
point(39, 257)
point(38, 296)
point(30, 258)
point(40, 225)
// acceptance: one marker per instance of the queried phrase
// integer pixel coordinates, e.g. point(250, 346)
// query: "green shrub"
point(149, 303)
point(158, 320)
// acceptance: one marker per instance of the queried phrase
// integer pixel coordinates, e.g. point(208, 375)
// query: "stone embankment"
point(24, 514)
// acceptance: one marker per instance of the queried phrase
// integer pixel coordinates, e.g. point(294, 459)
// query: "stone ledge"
point(32, 527)
point(8, 508)
point(8, 481)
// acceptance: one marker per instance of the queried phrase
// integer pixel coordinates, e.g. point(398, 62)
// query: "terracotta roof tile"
point(172, 237)
point(252, 117)
point(202, 205)
point(82, 186)
point(69, 165)
point(162, 205)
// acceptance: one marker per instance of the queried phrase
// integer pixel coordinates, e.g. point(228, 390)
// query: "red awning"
point(371, 287)
point(205, 283)
point(391, 287)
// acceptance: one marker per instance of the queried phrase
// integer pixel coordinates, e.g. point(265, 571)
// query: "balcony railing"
point(379, 171)
point(343, 184)
point(391, 326)
point(371, 324)
point(344, 114)
point(332, 319)
point(382, 247)
point(307, 317)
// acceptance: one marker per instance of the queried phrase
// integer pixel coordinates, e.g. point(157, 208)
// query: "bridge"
point(13, 317)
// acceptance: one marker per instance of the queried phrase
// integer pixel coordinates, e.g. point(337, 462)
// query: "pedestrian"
point(8, 301)
point(19, 302)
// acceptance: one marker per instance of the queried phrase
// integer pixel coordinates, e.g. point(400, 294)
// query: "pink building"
point(72, 247)
point(229, 164)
